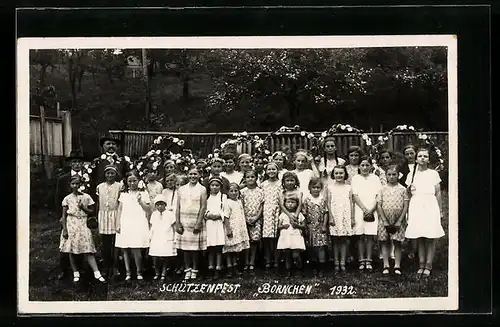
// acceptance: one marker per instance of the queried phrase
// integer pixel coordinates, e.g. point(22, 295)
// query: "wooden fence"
point(137, 143)
point(51, 141)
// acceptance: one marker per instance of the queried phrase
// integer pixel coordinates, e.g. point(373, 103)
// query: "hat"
point(108, 137)
point(215, 178)
point(75, 154)
point(160, 198)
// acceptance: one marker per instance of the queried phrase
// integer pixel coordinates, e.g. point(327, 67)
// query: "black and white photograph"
point(237, 174)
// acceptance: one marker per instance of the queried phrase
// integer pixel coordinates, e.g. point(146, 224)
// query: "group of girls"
point(317, 206)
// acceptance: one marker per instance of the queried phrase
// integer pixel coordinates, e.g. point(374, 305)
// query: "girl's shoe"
point(397, 271)
point(128, 277)
point(385, 271)
point(187, 274)
point(368, 265)
point(99, 277)
point(194, 274)
point(76, 277)
point(426, 273)
point(342, 267)
point(361, 266)
point(157, 276)
point(139, 277)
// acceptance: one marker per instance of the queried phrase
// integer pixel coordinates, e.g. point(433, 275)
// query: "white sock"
point(97, 274)
point(76, 274)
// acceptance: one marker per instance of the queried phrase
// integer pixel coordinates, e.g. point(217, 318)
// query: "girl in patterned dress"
point(108, 194)
point(392, 207)
point(385, 160)
point(191, 235)
point(425, 212)
point(133, 224)
point(272, 190)
point(239, 241)
point(341, 208)
point(253, 201)
point(365, 188)
point(315, 211)
point(161, 246)
point(217, 225)
point(76, 237)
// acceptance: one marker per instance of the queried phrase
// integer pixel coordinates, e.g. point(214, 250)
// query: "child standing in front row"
point(239, 241)
point(191, 235)
point(217, 222)
point(161, 246)
point(253, 200)
point(316, 213)
point(365, 188)
point(392, 208)
point(291, 241)
point(341, 208)
point(133, 223)
point(425, 212)
point(272, 190)
point(170, 193)
point(76, 237)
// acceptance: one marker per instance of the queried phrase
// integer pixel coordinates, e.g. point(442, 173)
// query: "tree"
point(45, 59)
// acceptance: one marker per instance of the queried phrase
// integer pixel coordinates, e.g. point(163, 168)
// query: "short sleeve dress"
point(340, 205)
point(234, 177)
point(162, 234)
point(366, 188)
point(79, 235)
point(216, 204)
point(290, 238)
point(134, 225)
point(272, 191)
point(190, 205)
point(392, 200)
point(330, 164)
point(424, 217)
point(171, 196)
point(304, 178)
point(252, 200)
point(314, 210)
point(351, 172)
point(240, 240)
point(108, 207)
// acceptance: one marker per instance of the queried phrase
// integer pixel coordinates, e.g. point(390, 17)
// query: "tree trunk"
point(147, 107)
point(42, 76)
point(80, 76)
point(72, 80)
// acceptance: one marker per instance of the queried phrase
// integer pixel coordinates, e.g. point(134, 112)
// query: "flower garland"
point(258, 145)
point(164, 147)
point(88, 168)
point(424, 139)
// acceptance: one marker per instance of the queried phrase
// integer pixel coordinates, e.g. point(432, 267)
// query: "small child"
point(108, 194)
point(76, 237)
point(291, 186)
point(341, 207)
point(217, 222)
point(161, 246)
point(315, 211)
point(392, 208)
point(239, 241)
point(216, 166)
point(291, 241)
point(153, 187)
point(133, 223)
point(253, 201)
point(170, 193)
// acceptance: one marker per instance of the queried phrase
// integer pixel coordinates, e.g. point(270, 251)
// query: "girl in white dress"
point(217, 222)
point(365, 188)
point(425, 212)
point(301, 162)
point(291, 241)
point(133, 225)
point(161, 246)
point(230, 173)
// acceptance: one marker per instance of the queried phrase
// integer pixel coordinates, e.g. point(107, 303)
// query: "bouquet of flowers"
point(88, 168)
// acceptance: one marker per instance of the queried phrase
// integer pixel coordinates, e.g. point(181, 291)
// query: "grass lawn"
point(44, 286)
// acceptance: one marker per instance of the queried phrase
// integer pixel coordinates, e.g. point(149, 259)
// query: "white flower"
point(368, 142)
point(302, 133)
point(267, 152)
point(103, 156)
point(175, 140)
point(89, 171)
point(386, 138)
point(178, 161)
point(139, 165)
point(364, 137)
point(157, 151)
point(235, 134)
point(127, 158)
point(348, 126)
point(86, 166)
point(140, 184)
point(310, 135)
point(186, 168)
point(425, 137)
point(141, 173)
point(181, 142)
point(342, 127)
point(380, 138)
point(210, 156)
point(216, 155)
point(193, 161)
point(151, 158)
point(324, 134)
point(256, 137)
point(349, 129)
point(244, 134)
point(374, 163)
point(441, 160)
point(132, 166)
point(411, 128)
point(81, 188)
point(398, 127)
point(404, 126)
point(438, 152)
point(155, 141)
